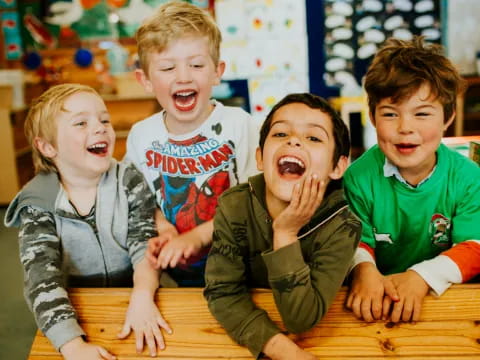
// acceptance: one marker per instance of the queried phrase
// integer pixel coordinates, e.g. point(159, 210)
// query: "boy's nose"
point(100, 128)
point(183, 74)
point(294, 141)
point(404, 125)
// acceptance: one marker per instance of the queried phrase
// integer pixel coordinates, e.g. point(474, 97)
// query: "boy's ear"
point(372, 118)
point(219, 72)
point(259, 158)
point(142, 78)
point(449, 122)
point(338, 171)
point(45, 148)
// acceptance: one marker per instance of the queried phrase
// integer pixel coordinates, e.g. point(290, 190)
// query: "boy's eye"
point(422, 114)
point(314, 139)
point(167, 68)
point(279, 134)
point(80, 123)
point(197, 66)
point(105, 121)
point(388, 114)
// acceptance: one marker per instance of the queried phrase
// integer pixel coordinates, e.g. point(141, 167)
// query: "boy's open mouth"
point(406, 148)
point(289, 165)
point(185, 100)
point(100, 148)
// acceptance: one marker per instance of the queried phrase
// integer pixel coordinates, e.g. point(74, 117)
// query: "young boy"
point(418, 201)
point(84, 221)
point(195, 148)
point(288, 229)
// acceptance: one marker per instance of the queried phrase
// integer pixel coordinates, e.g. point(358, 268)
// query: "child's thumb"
point(125, 331)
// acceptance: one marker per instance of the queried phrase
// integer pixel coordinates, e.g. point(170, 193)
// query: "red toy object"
point(38, 31)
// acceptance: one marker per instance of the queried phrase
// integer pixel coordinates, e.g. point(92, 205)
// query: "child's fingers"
point(366, 309)
point(105, 354)
point(296, 193)
point(158, 337)
point(356, 304)
point(175, 258)
point(408, 309)
point(387, 303)
point(125, 331)
point(150, 340)
point(416, 310)
point(163, 324)
point(390, 289)
point(139, 341)
point(377, 307)
point(306, 194)
point(397, 311)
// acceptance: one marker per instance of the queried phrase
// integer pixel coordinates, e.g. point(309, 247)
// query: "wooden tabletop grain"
point(449, 328)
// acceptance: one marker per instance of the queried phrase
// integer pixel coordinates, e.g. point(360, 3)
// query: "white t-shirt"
point(188, 172)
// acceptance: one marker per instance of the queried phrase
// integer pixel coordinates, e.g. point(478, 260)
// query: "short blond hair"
point(172, 21)
point(41, 121)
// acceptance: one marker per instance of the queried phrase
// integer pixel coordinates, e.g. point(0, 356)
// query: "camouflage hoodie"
point(59, 248)
point(304, 276)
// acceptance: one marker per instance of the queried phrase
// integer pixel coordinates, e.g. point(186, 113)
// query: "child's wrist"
point(70, 347)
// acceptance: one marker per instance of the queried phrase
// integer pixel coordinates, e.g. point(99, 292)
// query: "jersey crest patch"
point(439, 230)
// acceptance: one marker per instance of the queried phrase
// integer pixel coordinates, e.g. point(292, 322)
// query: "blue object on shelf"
point(83, 57)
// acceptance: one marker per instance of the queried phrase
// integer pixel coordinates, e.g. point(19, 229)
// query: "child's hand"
point(306, 198)
point(411, 290)
point(78, 349)
point(371, 293)
point(178, 249)
point(154, 247)
point(144, 318)
point(280, 347)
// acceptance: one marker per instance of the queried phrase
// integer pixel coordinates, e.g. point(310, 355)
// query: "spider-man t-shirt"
point(188, 173)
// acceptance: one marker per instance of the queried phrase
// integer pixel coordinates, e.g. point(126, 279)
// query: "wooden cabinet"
point(468, 110)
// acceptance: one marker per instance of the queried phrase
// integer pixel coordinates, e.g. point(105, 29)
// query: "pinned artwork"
point(356, 29)
point(264, 41)
point(11, 34)
point(266, 91)
point(8, 4)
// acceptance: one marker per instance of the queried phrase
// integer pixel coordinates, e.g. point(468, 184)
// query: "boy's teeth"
point(291, 159)
point(97, 146)
point(185, 93)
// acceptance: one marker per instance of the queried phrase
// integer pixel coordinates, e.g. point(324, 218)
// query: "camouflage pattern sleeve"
point(141, 211)
point(40, 255)
point(226, 290)
point(304, 291)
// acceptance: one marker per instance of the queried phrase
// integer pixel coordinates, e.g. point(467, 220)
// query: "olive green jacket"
point(304, 276)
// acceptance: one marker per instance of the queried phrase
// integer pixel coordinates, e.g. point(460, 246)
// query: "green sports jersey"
point(408, 225)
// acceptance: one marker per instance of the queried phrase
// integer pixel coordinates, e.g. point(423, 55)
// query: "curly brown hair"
point(401, 67)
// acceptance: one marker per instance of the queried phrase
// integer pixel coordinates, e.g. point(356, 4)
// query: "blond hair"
point(172, 21)
point(41, 121)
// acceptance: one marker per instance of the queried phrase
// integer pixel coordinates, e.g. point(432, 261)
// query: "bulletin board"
point(356, 29)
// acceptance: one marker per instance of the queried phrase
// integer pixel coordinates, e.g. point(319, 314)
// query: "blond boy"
point(84, 221)
point(195, 148)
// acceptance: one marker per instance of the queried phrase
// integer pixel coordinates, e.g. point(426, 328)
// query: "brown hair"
point(340, 130)
point(41, 121)
point(401, 67)
point(172, 21)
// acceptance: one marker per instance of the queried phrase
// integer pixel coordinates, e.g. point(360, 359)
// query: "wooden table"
point(449, 328)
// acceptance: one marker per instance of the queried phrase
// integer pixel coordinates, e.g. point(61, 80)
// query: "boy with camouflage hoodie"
point(288, 229)
point(84, 221)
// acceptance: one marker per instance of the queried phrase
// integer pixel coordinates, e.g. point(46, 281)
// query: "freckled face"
point(410, 132)
point(300, 143)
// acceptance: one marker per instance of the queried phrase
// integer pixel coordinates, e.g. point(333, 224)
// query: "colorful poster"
point(11, 34)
